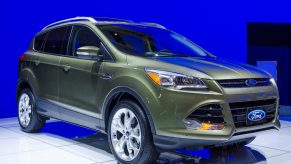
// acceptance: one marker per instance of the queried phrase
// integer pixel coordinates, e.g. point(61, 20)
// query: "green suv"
point(149, 88)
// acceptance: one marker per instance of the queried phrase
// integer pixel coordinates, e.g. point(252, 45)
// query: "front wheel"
point(29, 120)
point(129, 135)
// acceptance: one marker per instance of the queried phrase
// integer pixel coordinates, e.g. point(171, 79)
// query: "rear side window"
point(38, 42)
point(57, 39)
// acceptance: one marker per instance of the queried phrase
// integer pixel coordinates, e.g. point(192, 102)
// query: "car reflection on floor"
point(230, 154)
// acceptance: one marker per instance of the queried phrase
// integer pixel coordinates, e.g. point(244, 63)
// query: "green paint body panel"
point(82, 89)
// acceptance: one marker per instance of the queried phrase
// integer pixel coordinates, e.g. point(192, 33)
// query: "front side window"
point(148, 41)
point(57, 40)
point(82, 36)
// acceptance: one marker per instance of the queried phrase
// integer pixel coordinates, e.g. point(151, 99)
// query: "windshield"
point(147, 41)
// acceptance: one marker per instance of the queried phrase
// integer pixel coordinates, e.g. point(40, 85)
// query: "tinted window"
point(38, 42)
point(55, 42)
point(82, 36)
point(150, 41)
point(66, 41)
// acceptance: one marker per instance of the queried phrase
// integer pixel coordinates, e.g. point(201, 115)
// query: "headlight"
point(175, 80)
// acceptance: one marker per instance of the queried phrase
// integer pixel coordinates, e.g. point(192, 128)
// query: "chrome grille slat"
point(270, 106)
point(240, 83)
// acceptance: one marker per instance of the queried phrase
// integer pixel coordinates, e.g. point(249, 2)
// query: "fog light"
point(207, 126)
point(193, 124)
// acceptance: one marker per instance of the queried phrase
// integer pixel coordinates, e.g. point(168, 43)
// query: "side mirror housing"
point(89, 52)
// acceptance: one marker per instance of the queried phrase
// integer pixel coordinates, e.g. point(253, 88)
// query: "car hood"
point(217, 68)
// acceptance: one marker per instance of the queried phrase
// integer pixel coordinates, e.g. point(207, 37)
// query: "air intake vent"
point(240, 83)
point(211, 113)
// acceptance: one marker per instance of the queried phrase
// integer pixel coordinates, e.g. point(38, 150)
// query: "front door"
point(79, 90)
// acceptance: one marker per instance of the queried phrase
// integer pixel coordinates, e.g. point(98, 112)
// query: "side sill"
point(49, 109)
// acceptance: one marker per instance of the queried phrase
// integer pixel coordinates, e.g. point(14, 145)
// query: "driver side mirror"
point(89, 52)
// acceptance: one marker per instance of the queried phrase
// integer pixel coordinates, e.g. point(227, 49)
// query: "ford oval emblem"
point(251, 82)
point(256, 115)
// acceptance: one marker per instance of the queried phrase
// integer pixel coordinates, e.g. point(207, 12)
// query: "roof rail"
point(153, 24)
point(71, 20)
point(110, 19)
point(101, 19)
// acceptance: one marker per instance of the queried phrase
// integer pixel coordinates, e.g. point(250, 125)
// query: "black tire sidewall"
point(145, 135)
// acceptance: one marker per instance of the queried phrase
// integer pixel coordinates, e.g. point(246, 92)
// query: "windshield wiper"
point(164, 54)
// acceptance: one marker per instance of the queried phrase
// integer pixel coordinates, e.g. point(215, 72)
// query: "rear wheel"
point(29, 120)
point(129, 135)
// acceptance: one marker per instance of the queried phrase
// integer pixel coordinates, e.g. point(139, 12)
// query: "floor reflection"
point(99, 140)
point(230, 155)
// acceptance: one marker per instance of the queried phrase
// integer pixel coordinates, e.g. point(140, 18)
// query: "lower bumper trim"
point(173, 143)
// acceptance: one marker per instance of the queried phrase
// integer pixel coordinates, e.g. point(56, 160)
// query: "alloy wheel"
point(24, 109)
point(126, 134)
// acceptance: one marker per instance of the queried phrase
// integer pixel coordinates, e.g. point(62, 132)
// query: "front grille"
point(211, 113)
point(240, 110)
point(240, 83)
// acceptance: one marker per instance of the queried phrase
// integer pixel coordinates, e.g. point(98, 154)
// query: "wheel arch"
point(27, 78)
point(22, 84)
point(121, 93)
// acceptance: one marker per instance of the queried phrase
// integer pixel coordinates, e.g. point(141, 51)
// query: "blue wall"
point(219, 26)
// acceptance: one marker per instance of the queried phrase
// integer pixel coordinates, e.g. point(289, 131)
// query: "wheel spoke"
point(132, 149)
point(120, 144)
point(128, 120)
point(118, 125)
point(26, 101)
point(27, 117)
point(136, 133)
point(29, 109)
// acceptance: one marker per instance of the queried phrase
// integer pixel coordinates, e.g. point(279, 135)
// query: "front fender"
point(136, 84)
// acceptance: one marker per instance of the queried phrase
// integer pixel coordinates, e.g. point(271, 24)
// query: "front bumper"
point(172, 107)
point(173, 143)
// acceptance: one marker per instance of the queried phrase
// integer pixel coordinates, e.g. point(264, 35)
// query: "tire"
point(29, 120)
point(128, 127)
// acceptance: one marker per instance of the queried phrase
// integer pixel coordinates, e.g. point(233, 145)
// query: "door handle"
point(36, 62)
point(66, 67)
point(106, 76)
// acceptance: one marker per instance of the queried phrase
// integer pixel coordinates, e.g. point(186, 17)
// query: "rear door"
point(48, 49)
point(79, 80)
